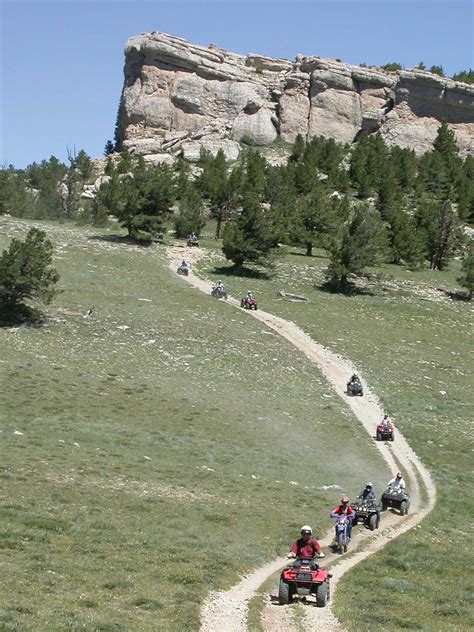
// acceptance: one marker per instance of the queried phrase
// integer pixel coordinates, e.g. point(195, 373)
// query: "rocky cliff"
point(178, 97)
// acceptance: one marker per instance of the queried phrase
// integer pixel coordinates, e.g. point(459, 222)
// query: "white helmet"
point(369, 484)
point(306, 527)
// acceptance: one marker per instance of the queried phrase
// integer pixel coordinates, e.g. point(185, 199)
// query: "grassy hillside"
point(156, 450)
point(414, 345)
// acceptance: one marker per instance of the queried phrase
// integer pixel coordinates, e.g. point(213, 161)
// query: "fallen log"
point(294, 298)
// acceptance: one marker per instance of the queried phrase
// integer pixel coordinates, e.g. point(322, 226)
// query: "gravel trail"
point(226, 611)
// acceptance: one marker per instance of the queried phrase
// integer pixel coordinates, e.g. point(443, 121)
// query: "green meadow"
point(413, 344)
point(162, 447)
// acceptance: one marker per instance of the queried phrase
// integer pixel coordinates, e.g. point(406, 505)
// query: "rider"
point(220, 286)
point(193, 236)
point(386, 422)
point(248, 296)
point(183, 264)
point(354, 378)
point(367, 493)
point(306, 546)
point(344, 509)
point(397, 482)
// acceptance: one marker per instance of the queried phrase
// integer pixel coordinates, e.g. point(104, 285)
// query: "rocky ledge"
point(179, 97)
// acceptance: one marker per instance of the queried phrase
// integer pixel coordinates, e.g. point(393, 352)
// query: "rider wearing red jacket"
point(306, 546)
point(344, 509)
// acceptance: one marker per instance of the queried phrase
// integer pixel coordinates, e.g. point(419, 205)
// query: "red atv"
point(385, 431)
point(304, 577)
point(248, 303)
point(192, 242)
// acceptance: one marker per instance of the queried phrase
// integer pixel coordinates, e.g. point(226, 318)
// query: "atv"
point(367, 511)
point(182, 270)
point(396, 498)
point(248, 303)
point(385, 431)
point(304, 577)
point(218, 293)
point(355, 388)
point(192, 242)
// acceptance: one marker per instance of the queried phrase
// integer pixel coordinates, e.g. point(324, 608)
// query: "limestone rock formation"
point(179, 97)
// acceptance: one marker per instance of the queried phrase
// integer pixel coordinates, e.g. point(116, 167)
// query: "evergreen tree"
point(26, 275)
point(466, 76)
point(249, 237)
point(354, 245)
point(190, 218)
point(437, 70)
point(438, 229)
point(124, 165)
point(109, 148)
point(467, 279)
point(297, 151)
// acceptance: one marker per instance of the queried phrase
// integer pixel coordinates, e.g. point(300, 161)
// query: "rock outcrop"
point(178, 97)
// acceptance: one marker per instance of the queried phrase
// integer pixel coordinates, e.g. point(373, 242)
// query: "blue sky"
point(62, 61)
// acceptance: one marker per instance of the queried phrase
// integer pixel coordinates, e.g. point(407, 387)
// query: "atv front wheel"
point(379, 436)
point(322, 595)
point(403, 508)
point(283, 593)
point(373, 522)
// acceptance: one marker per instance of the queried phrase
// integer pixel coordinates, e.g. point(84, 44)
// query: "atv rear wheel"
point(403, 507)
point(322, 595)
point(373, 522)
point(283, 593)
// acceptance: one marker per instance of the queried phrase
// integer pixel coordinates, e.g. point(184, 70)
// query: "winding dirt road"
point(227, 611)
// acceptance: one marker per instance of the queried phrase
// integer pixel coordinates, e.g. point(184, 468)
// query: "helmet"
point(307, 528)
point(369, 485)
point(399, 475)
point(344, 500)
point(219, 281)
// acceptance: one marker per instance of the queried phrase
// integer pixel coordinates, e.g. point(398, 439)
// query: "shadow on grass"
point(21, 315)
point(242, 271)
point(305, 256)
point(350, 290)
point(455, 295)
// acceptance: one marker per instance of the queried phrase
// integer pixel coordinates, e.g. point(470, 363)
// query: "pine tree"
point(26, 275)
point(249, 237)
point(109, 148)
point(354, 245)
point(190, 218)
point(467, 279)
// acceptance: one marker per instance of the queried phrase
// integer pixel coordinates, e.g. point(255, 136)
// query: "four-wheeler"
point(354, 387)
point(342, 533)
point(396, 498)
point(367, 511)
point(385, 431)
point(192, 242)
point(218, 293)
point(183, 270)
point(304, 577)
point(248, 303)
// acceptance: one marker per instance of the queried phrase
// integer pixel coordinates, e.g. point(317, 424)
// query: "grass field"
point(414, 345)
point(156, 450)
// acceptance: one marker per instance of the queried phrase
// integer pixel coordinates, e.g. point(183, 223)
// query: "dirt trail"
point(227, 610)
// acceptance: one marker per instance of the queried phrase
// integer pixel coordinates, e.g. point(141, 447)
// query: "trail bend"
point(226, 611)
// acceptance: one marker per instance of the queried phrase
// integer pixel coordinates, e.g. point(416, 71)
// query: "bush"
point(26, 275)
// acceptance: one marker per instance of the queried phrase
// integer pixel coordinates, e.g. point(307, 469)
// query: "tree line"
point(362, 204)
